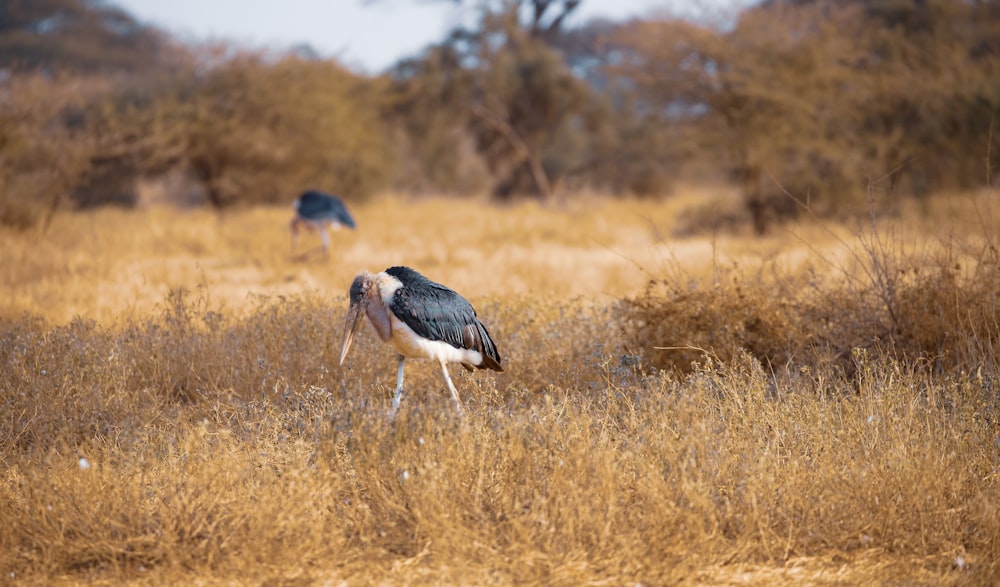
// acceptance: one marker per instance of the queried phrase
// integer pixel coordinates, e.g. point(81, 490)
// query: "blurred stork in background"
point(318, 211)
point(420, 319)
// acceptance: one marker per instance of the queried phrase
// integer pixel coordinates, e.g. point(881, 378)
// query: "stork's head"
point(365, 300)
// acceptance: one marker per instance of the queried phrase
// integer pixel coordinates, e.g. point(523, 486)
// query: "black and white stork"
point(318, 211)
point(420, 319)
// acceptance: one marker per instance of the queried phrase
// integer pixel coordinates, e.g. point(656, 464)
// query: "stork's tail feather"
point(491, 357)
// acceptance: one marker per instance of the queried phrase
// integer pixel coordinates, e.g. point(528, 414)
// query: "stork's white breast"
point(409, 344)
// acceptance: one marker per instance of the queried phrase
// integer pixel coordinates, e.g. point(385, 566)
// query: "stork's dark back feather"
point(314, 205)
point(436, 312)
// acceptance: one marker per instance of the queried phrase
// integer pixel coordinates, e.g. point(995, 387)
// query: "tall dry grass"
point(221, 442)
point(917, 286)
point(110, 263)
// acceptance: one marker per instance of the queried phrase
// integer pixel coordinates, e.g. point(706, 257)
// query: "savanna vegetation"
point(743, 274)
point(818, 406)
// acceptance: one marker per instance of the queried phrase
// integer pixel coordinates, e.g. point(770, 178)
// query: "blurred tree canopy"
point(513, 102)
point(76, 36)
point(797, 102)
point(824, 100)
point(92, 102)
point(261, 131)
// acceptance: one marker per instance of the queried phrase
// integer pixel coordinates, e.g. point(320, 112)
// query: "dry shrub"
point(938, 304)
point(950, 314)
point(675, 328)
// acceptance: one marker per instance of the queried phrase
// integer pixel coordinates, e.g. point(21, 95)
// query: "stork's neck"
point(378, 315)
point(385, 287)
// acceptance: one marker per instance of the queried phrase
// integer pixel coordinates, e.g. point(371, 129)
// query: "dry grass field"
point(819, 406)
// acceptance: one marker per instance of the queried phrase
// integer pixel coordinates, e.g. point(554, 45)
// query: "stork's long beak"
point(354, 314)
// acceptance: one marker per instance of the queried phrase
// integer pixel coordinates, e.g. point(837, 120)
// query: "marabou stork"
point(317, 211)
point(420, 319)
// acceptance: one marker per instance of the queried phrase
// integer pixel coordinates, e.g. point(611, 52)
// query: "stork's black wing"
point(315, 205)
point(436, 312)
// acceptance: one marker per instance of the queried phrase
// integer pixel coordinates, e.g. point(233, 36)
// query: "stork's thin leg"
point(398, 394)
point(326, 239)
point(451, 387)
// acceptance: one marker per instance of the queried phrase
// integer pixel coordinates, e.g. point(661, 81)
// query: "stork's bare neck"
point(372, 293)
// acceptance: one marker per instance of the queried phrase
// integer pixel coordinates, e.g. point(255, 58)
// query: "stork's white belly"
point(409, 344)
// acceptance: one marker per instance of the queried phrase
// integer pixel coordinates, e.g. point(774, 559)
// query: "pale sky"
point(366, 36)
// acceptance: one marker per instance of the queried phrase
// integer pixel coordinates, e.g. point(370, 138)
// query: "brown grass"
point(200, 383)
